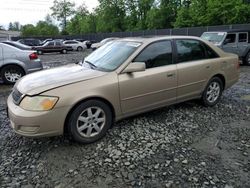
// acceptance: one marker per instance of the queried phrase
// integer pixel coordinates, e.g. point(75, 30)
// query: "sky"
point(31, 11)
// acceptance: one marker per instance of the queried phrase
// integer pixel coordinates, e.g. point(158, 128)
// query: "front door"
point(154, 87)
point(230, 43)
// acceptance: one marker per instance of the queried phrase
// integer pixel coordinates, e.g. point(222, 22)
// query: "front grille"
point(17, 96)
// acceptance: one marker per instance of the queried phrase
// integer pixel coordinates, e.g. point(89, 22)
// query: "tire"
point(89, 121)
point(40, 52)
point(247, 59)
point(64, 51)
point(212, 93)
point(11, 73)
point(79, 49)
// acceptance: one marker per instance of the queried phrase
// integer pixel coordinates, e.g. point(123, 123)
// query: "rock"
point(127, 163)
point(184, 161)
point(108, 160)
point(169, 184)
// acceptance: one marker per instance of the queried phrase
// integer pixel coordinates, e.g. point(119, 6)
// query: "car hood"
point(39, 82)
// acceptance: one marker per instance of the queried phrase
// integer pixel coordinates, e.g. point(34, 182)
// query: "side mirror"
point(135, 67)
point(226, 41)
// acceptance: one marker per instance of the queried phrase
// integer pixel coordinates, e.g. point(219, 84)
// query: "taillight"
point(33, 56)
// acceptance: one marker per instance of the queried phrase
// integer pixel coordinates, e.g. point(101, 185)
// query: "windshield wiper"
point(93, 66)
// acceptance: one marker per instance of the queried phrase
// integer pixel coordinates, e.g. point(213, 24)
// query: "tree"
point(111, 16)
point(10, 28)
point(42, 28)
point(62, 10)
point(28, 30)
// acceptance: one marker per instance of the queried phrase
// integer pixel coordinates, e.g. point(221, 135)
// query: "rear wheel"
point(247, 59)
point(212, 92)
point(11, 73)
point(90, 121)
point(79, 48)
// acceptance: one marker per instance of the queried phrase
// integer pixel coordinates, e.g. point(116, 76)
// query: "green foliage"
point(61, 10)
point(213, 12)
point(133, 15)
point(41, 29)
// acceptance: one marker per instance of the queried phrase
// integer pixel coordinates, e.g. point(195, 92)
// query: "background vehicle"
point(30, 42)
point(94, 46)
point(164, 71)
point(233, 41)
point(15, 63)
point(17, 45)
point(52, 46)
point(76, 45)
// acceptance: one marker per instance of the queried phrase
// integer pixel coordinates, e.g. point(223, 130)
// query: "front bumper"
point(36, 124)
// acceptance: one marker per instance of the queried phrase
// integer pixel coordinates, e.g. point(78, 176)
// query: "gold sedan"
point(118, 80)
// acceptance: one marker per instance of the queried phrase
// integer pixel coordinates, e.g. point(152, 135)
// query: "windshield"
point(213, 37)
point(111, 55)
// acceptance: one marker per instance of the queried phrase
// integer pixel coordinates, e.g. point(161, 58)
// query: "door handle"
point(170, 74)
point(208, 66)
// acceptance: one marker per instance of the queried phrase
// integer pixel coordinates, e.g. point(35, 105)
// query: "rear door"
point(193, 67)
point(242, 43)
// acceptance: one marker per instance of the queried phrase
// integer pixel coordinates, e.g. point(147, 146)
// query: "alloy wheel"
point(91, 122)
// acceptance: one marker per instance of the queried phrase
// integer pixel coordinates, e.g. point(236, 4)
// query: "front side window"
point(156, 54)
point(111, 55)
point(58, 44)
point(242, 37)
point(190, 50)
point(231, 38)
point(49, 44)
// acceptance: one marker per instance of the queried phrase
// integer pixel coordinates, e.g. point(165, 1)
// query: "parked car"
point(17, 45)
point(118, 80)
point(104, 41)
point(76, 45)
point(52, 46)
point(15, 63)
point(30, 42)
point(233, 41)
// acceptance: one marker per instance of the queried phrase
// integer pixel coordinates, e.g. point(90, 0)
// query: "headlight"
point(38, 103)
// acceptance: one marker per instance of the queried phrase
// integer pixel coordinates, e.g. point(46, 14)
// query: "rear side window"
point(156, 54)
point(190, 50)
point(242, 37)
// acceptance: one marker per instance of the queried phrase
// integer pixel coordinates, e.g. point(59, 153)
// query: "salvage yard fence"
point(189, 31)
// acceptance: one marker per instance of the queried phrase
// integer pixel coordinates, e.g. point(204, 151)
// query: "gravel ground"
point(184, 145)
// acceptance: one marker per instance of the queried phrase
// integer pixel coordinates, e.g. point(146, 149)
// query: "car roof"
point(157, 38)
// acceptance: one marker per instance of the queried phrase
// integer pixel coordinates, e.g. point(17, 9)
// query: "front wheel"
point(247, 59)
point(64, 51)
point(11, 73)
point(212, 92)
point(90, 121)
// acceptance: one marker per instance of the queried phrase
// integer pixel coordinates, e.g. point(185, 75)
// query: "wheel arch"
point(222, 77)
point(84, 100)
point(14, 64)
